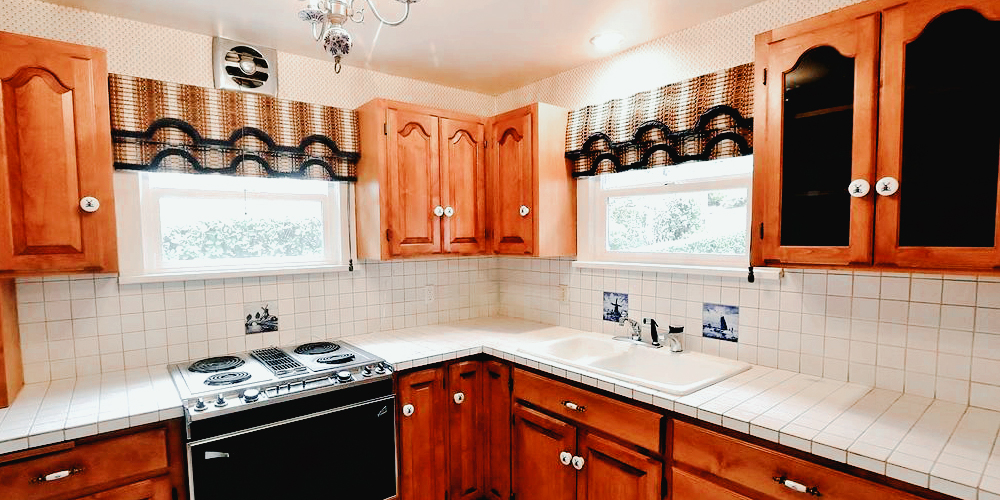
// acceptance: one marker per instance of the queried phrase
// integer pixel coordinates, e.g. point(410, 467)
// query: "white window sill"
point(229, 273)
point(759, 273)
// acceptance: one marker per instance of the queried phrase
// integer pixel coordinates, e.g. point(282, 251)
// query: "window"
point(694, 213)
point(189, 225)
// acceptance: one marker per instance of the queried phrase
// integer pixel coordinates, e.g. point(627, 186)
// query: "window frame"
point(592, 201)
point(140, 239)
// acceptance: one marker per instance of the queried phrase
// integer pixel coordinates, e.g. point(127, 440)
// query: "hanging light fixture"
point(328, 17)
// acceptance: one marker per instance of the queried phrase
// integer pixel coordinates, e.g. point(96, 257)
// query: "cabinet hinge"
point(350, 265)
point(765, 76)
point(761, 230)
point(388, 235)
point(510, 384)
point(385, 129)
point(486, 144)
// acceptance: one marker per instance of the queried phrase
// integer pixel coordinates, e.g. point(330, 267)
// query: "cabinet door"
point(414, 184)
point(687, 486)
point(465, 431)
point(423, 435)
point(944, 213)
point(150, 489)
point(610, 471)
point(463, 186)
point(496, 408)
point(513, 179)
point(536, 469)
point(55, 149)
point(819, 138)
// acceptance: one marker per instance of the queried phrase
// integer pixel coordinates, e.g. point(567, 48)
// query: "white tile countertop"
point(50, 412)
point(947, 447)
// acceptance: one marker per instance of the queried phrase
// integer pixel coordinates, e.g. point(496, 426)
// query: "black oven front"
point(338, 444)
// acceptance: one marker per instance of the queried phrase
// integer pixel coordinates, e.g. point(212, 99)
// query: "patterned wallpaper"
point(150, 51)
point(721, 43)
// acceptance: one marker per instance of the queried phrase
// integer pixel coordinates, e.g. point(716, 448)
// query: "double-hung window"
point(194, 226)
point(691, 214)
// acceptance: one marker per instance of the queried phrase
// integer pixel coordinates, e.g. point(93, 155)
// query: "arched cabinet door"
point(514, 179)
point(463, 186)
point(816, 137)
point(939, 136)
point(413, 227)
point(57, 208)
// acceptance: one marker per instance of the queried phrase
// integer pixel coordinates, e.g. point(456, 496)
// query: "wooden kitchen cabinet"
point(55, 159)
point(455, 443)
point(421, 182)
point(144, 463)
point(423, 435)
point(568, 457)
point(852, 173)
point(533, 209)
point(736, 469)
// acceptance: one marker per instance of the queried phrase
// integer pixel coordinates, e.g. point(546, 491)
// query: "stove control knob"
point(220, 401)
point(200, 405)
point(379, 368)
point(344, 376)
point(251, 395)
point(366, 371)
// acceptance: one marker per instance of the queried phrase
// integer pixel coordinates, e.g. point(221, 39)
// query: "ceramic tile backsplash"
point(80, 325)
point(928, 335)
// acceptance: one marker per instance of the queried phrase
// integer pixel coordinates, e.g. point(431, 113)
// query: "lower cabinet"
point(710, 465)
point(454, 432)
point(146, 463)
point(563, 458)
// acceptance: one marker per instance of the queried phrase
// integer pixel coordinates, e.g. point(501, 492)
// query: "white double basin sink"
point(675, 373)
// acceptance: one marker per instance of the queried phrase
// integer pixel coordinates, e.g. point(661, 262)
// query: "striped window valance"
point(702, 118)
point(182, 128)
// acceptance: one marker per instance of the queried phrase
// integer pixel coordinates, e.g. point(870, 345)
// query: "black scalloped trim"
point(614, 150)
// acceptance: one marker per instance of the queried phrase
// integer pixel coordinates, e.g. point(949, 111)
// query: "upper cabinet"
point(848, 173)
point(421, 182)
point(56, 202)
point(533, 211)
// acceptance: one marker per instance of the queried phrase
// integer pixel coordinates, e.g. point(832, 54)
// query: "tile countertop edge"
point(751, 404)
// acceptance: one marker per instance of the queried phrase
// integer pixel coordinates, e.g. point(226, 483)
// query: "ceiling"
point(488, 46)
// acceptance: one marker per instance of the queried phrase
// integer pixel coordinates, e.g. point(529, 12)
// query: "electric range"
point(317, 410)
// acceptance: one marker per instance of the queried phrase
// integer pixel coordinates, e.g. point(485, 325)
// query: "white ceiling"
point(489, 46)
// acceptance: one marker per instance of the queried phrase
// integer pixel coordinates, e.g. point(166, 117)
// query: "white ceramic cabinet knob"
point(887, 186)
point(565, 457)
point(459, 398)
point(438, 211)
point(578, 463)
point(859, 188)
point(524, 211)
point(448, 211)
point(408, 410)
point(89, 204)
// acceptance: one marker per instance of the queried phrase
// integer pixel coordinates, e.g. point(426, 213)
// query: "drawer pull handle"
point(565, 458)
point(578, 463)
point(55, 476)
point(799, 487)
point(573, 406)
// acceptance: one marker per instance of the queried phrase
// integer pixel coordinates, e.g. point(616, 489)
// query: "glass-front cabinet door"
point(939, 136)
point(816, 166)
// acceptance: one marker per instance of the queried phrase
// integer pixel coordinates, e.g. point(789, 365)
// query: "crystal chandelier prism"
point(327, 18)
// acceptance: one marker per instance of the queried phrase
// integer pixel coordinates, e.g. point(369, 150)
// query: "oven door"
point(347, 452)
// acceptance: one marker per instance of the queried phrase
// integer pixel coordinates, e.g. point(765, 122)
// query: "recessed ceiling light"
point(608, 40)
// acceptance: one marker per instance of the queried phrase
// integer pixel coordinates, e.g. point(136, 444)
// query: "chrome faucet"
point(636, 329)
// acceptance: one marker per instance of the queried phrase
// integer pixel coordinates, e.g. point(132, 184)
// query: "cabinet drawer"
point(631, 423)
point(93, 464)
point(685, 486)
point(755, 468)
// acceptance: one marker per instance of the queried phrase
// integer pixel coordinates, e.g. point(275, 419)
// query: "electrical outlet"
point(563, 294)
point(428, 294)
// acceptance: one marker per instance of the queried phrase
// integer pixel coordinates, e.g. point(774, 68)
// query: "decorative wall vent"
point(245, 68)
point(703, 118)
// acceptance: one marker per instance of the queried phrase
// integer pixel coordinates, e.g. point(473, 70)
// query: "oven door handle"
point(215, 454)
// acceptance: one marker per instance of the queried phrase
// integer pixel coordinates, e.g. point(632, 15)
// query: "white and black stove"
point(222, 384)
point(243, 410)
